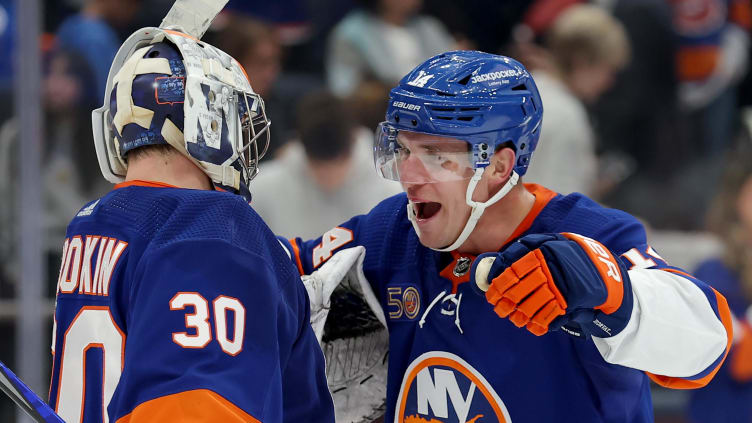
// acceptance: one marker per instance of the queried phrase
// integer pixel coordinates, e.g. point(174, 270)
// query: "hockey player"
point(583, 312)
point(175, 301)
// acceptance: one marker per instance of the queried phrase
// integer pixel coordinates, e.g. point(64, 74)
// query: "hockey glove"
point(551, 281)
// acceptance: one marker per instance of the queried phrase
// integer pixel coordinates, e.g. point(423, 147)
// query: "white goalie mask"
point(166, 87)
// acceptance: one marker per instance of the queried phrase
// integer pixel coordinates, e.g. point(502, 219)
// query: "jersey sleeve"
point(738, 365)
point(307, 399)
point(384, 232)
point(309, 255)
point(210, 331)
point(680, 328)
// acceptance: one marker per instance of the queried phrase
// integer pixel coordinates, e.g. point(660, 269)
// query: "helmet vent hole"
point(444, 117)
point(520, 87)
point(396, 118)
point(469, 109)
point(445, 94)
point(414, 122)
point(153, 53)
point(465, 80)
point(465, 118)
point(522, 146)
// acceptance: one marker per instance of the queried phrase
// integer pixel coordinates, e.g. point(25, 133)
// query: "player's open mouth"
point(427, 210)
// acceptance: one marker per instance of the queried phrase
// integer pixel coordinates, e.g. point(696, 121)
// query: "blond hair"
point(587, 33)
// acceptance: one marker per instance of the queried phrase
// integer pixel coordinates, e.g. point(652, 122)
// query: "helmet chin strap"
point(477, 208)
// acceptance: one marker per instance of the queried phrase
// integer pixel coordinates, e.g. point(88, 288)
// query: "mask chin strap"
point(477, 208)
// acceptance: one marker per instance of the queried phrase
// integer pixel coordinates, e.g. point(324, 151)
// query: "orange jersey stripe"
point(200, 405)
point(140, 183)
point(679, 383)
point(296, 253)
point(542, 197)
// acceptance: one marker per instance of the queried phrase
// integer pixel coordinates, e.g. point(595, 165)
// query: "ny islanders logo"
point(440, 387)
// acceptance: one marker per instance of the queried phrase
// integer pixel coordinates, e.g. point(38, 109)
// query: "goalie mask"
point(167, 88)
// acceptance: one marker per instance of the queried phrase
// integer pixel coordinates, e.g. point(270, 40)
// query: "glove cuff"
point(606, 325)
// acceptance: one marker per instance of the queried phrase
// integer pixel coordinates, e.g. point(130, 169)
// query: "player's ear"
point(502, 164)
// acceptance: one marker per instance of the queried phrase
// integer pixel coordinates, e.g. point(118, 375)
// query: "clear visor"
point(418, 158)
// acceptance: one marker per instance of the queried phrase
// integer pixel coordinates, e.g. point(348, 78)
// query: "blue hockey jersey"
point(453, 360)
point(728, 397)
point(180, 305)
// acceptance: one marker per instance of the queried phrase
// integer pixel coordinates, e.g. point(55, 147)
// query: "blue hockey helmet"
point(483, 99)
point(167, 88)
point(467, 104)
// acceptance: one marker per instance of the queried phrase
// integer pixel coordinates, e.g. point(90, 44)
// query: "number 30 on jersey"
point(199, 321)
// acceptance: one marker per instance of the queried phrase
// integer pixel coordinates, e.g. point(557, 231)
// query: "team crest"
point(440, 387)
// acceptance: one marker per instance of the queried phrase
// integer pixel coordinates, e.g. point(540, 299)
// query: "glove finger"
point(500, 285)
point(531, 305)
point(526, 286)
point(538, 325)
point(535, 302)
point(513, 297)
point(509, 281)
point(519, 318)
point(527, 263)
point(504, 307)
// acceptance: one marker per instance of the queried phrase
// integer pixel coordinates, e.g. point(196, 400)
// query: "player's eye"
point(432, 149)
point(402, 153)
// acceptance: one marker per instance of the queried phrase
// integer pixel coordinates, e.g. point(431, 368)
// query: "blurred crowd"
point(647, 109)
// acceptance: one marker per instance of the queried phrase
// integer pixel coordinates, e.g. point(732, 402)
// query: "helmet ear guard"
point(212, 116)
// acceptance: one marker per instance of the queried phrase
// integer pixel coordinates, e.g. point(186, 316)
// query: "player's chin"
point(436, 235)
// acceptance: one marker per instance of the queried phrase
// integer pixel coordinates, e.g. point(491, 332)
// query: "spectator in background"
point(257, 47)
point(728, 397)
point(324, 178)
point(683, 51)
point(92, 34)
point(712, 58)
point(382, 41)
point(585, 48)
point(637, 120)
point(70, 167)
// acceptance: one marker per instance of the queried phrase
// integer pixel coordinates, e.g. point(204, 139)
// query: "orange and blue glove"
point(565, 281)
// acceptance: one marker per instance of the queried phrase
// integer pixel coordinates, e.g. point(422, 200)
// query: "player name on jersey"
point(88, 263)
